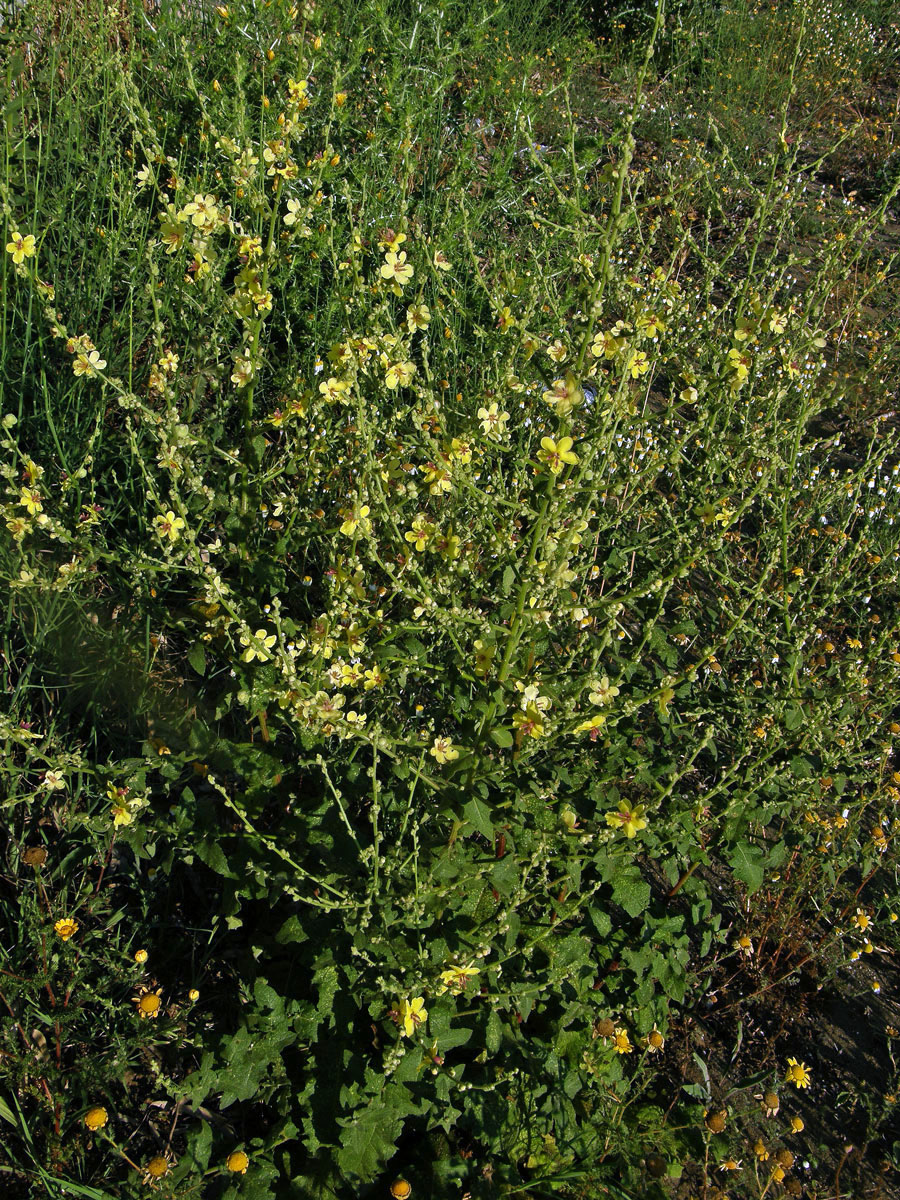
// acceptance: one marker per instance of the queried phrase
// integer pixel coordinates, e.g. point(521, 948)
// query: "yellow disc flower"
point(66, 928)
point(237, 1162)
point(96, 1118)
point(629, 820)
point(622, 1042)
point(797, 1073)
point(140, 956)
point(157, 1168)
point(148, 1003)
point(20, 247)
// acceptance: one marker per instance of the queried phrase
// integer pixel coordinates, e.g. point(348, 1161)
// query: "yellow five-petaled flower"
point(629, 820)
point(257, 646)
point(413, 1013)
point(396, 267)
point(557, 454)
point(444, 750)
point(88, 364)
point(20, 247)
point(169, 526)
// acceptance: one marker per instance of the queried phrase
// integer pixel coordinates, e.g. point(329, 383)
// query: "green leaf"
point(197, 658)
point(478, 814)
point(370, 1135)
point(631, 891)
point(502, 737)
point(493, 1035)
point(509, 578)
point(747, 863)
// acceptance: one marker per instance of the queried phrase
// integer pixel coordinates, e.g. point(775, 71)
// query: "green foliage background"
point(666, 673)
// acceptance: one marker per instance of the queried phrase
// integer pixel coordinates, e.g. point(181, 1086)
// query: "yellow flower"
point(193, 995)
point(557, 454)
point(456, 978)
point(354, 518)
point(602, 693)
point(530, 721)
point(421, 533)
point(66, 928)
point(31, 500)
point(622, 1042)
point(157, 1168)
point(413, 1013)
point(88, 364)
point(505, 319)
point(638, 364)
point(96, 1118)
point(20, 247)
point(122, 814)
point(401, 1189)
point(148, 1003)
point(441, 261)
point(169, 526)
point(592, 725)
point(760, 1150)
point(417, 317)
point(140, 956)
point(399, 374)
point(443, 750)
point(493, 422)
point(797, 1125)
point(202, 211)
point(396, 267)
point(629, 820)
point(237, 1162)
point(797, 1073)
point(258, 645)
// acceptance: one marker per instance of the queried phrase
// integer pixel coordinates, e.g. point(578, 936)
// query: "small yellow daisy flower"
point(237, 1162)
point(797, 1073)
point(66, 928)
point(148, 1003)
point(96, 1118)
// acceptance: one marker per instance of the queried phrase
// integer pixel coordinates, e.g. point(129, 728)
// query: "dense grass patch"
point(451, 655)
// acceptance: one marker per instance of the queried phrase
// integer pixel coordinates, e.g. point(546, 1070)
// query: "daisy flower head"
point(148, 1003)
point(797, 1073)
